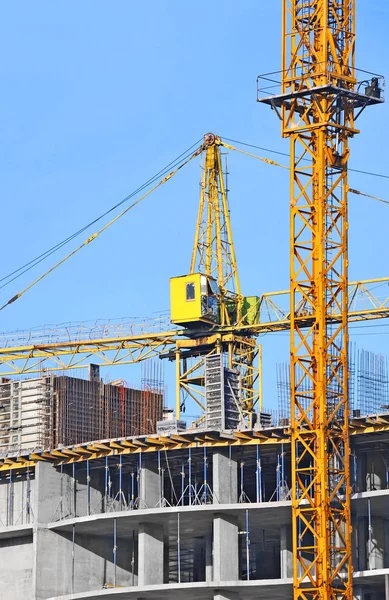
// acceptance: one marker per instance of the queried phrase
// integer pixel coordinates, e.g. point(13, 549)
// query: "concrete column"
point(54, 565)
point(208, 558)
point(286, 551)
point(47, 492)
point(386, 587)
point(150, 554)
point(150, 484)
point(358, 592)
point(375, 471)
point(362, 537)
point(225, 549)
point(225, 478)
point(386, 544)
point(377, 543)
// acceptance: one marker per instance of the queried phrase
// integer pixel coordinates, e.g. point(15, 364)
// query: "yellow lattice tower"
point(319, 102)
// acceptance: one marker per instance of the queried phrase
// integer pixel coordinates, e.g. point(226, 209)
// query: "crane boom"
point(127, 342)
point(318, 103)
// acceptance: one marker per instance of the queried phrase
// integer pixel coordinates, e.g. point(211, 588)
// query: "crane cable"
point(268, 161)
point(106, 226)
point(161, 182)
point(288, 156)
point(359, 193)
point(276, 164)
point(38, 259)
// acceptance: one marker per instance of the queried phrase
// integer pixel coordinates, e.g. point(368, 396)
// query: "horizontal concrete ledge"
point(373, 576)
point(279, 589)
point(272, 514)
point(370, 494)
point(14, 531)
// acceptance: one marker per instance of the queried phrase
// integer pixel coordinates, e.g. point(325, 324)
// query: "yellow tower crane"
point(209, 304)
point(321, 96)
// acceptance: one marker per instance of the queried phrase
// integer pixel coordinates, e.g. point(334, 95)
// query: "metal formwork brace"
point(243, 497)
point(131, 492)
point(88, 486)
point(182, 485)
point(120, 495)
point(74, 488)
point(278, 477)
point(355, 473)
point(28, 496)
point(10, 499)
point(247, 545)
point(62, 506)
point(189, 488)
point(205, 494)
point(138, 476)
point(106, 477)
point(258, 478)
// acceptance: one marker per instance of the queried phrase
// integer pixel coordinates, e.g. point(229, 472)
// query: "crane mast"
point(319, 101)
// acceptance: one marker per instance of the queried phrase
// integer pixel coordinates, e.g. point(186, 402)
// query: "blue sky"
point(97, 96)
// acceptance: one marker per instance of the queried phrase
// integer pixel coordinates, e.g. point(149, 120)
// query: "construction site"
point(116, 491)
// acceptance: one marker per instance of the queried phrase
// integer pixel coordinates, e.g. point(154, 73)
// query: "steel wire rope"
point(38, 259)
point(95, 235)
point(276, 164)
point(306, 159)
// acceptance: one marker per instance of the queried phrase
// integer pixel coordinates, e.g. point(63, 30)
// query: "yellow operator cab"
point(194, 300)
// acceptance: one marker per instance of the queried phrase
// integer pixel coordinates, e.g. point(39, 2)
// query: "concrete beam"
point(286, 551)
point(150, 554)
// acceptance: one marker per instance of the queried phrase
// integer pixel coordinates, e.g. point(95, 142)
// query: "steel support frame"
point(242, 354)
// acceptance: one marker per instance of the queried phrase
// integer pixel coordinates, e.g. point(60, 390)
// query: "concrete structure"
point(211, 522)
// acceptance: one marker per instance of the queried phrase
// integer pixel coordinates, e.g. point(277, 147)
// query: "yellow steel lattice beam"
point(71, 347)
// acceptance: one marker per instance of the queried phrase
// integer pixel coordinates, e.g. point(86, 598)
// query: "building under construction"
point(197, 514)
